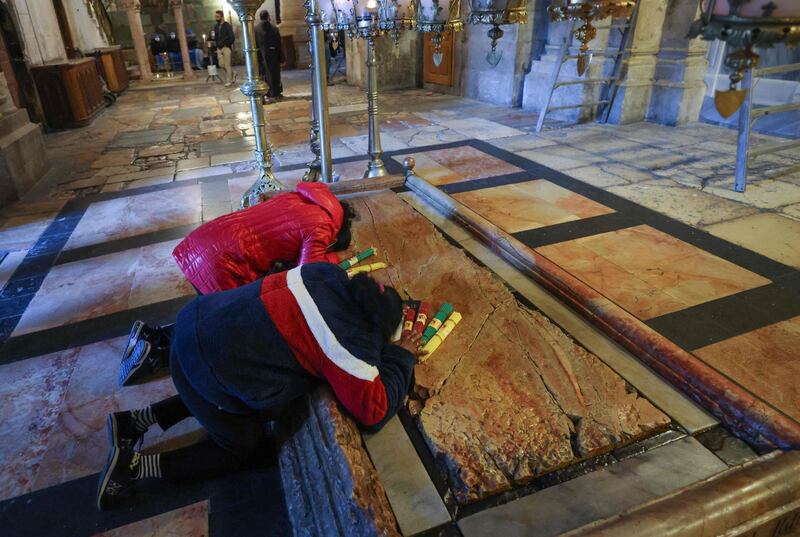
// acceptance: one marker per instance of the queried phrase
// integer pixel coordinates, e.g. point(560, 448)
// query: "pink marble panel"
point(189, 521)
point(106, 284)
point(21, 232)
point(135, 215)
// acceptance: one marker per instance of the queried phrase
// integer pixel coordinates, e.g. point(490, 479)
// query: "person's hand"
point(410, 342)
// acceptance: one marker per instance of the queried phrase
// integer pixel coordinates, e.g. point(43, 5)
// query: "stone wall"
point(398, 65)
point(38, 27)
point(86, 31)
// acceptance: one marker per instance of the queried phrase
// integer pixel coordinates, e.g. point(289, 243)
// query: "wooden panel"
point(443, 73)
point(70, 92)
point(112, 65)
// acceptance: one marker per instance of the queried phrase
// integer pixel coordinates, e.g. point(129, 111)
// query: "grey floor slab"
point(136, 138)
point(231, 145)
point(416, 504)
point(597, 495)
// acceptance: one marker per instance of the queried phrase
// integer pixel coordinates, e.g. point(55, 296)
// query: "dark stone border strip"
point(717, 320)
point(236, 506)
point(88, 331)
point(120, 245)
point(576, 229)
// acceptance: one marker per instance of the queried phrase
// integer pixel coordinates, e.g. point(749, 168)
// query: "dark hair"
point(221, 13)
point(345, 234)
point(384, 309)
point(264, 16)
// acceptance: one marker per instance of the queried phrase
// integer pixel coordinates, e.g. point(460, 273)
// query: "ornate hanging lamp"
point(744, 25)
point(588, 11)
point(497, 13)
point(396, 16)
point(438, 17)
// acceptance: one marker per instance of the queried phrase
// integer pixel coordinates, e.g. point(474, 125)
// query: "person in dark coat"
point(240, 355)
point(235, 249)
point(223, 42)
point(270, 55)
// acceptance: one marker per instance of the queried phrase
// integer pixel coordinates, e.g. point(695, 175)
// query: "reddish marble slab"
point(648, 272)
point(509, 396)
point(54, 409)
point(456, 164)
point(765, 361)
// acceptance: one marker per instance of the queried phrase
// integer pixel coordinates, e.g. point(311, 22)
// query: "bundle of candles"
point(352, 270)
point(434, 332)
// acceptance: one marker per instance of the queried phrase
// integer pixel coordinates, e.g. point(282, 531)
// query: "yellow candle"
point(366, 268)
point(438, 338)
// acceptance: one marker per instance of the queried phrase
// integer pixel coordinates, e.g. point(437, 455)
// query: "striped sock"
point(149, 467)
point(143, 418)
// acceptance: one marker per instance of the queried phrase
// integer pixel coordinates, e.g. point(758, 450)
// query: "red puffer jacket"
point(240, 247)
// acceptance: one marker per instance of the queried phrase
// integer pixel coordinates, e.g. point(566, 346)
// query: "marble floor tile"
point(792, 211)
point(648, 272)
point(202, 173)
point(358, 144)
point(688, 205)
point(457, 164)
point(481, 129)
point(431, 170)
point(769, 234)
point(522, 142)
point(412, 495)
point(767, 194)
point(9, 264)
point(766, 361)
point(606, 174)
point(166, 171)
point(562, 158)
point(597, 495)
point(228, 158)
point(530, 205)
point(135, 215)
point(106, 284)
point(193, 163)
point(22, 232)
point(118, 157)
point(189, 521)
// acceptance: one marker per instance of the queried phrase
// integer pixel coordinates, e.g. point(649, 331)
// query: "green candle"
point(347, 263)
point(436, 322)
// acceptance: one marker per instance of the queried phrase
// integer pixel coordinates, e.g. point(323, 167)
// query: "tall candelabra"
point(321, 167)
point(255, 89)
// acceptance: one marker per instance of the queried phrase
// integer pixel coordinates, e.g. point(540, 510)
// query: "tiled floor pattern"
point(655, 273)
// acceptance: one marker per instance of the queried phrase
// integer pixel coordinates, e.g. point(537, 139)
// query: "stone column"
point(679, 81)
point(293, 22)
point(177, 6)
point(132, 9)
point(633, 98)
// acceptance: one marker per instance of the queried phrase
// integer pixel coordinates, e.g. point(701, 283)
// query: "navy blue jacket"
point(264, 344)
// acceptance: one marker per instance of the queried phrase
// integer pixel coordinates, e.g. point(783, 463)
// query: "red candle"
point(410, 317)
point(422, 317)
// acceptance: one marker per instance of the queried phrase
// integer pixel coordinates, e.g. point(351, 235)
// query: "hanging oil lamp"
point(588, 11)
point(497, 13)
point(744, 25)
point(438, 17)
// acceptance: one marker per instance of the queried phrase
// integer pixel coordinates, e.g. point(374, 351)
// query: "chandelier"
point(744, 25)
point(588, 11)
point(496, 13)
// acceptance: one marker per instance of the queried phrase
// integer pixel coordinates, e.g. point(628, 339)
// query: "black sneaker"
point(117, 475)
point(141, 330)
point(139, 364)
point(122, 431)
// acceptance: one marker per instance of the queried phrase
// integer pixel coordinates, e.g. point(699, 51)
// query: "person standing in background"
point(224, 38)
point(270, 55)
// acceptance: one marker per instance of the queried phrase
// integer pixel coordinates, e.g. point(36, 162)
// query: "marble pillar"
point(633, 99)
point(681, 65)
point(177, 6)
point(132, 9)
point(293, 22)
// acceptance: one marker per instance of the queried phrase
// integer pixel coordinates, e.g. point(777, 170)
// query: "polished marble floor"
point(88, 252)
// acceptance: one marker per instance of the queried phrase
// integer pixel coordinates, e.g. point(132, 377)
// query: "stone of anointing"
point(438, 338)
point(436, 322)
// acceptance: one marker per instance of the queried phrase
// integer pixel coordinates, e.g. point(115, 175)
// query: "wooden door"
point(443, 73)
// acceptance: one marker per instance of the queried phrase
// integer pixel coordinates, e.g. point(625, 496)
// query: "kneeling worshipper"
point(290, 229)
point(240, 356)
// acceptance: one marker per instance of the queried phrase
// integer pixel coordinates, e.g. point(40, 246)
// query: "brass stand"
point(375, 168)
point(320, 168)
point(255, 89)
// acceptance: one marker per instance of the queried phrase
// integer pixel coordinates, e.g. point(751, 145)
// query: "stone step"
point(12, 122)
